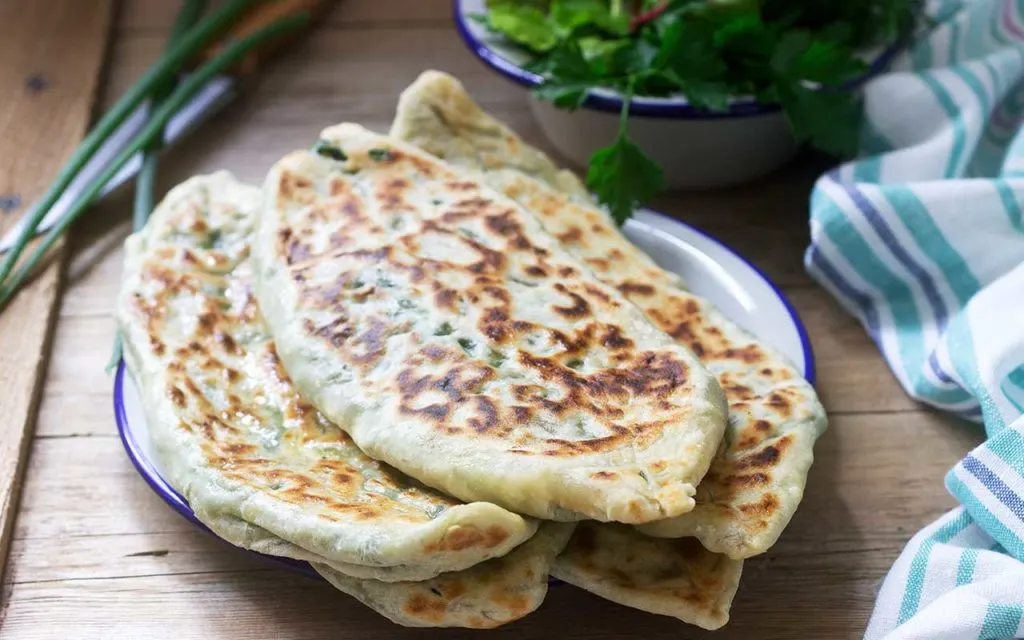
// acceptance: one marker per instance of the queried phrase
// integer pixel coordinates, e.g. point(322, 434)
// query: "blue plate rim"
point(678, 107)
point(159, 485)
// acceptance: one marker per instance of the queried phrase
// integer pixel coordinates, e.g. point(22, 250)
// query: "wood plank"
point(248, 606)
point(330, 76)
point(94, 336)
point(51, 55)
point(64, 490)
point(122, 556)
point(158, 15)
point(80, 564)
point(88, 556)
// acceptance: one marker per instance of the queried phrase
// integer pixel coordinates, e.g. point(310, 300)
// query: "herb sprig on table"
point(794, 53)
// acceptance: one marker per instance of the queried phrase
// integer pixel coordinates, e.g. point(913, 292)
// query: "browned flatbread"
point(669, 576)
point(234, 436)
point(434, 320)
point(756, 482)
point(485, 596)
point(244, 448)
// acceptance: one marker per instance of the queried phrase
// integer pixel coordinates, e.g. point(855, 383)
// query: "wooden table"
point(96, 554)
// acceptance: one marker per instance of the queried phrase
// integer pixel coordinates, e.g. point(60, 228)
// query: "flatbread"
point(755, 484)
point(675, 577)
point(485, 596)
point(234, 436)
point(434, 320)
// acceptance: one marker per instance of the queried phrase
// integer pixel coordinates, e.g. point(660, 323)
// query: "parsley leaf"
point(594, 47)
point(328, 150)
point(573, 14)
point(705, 94)
point(631, 61)
point(789, 49)
point(798, 57)
point(621, 175)
point(525, 25)
point(814, 115)
point(568, 63)
point(484, 21)
point(690, 61)
point(568, 77)
point(797, 54)
point(566, 95)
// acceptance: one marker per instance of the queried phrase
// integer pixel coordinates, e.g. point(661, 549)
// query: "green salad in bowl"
point(705, 81)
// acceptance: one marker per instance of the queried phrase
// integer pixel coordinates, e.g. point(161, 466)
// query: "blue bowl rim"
point(677, 108)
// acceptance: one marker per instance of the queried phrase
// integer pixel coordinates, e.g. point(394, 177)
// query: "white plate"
point(710, 269)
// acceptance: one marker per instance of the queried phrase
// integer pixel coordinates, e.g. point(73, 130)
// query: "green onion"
point(155, 76)
point(495, 358)
point(467, 345)
point(328, 150)
point(146, 182)
point(445, 329)
point(196, 81)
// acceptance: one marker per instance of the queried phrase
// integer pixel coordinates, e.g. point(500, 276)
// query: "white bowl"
point(695, 148)
point(693, 153)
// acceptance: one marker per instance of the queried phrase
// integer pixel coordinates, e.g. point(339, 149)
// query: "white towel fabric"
point(922, 239)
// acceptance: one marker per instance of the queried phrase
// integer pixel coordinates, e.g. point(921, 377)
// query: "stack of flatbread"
point(429, 365)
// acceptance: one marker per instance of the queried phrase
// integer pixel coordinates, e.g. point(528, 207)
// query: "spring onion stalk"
point(231, 54)
point(158, 74)
point(145, 183)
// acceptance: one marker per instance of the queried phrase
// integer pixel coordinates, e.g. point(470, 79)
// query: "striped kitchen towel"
point(922, 239)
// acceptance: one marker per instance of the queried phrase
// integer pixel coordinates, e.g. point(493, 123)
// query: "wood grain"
point(157, 15)
point(97, 555)
point(51, 55)
point(74, 563)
